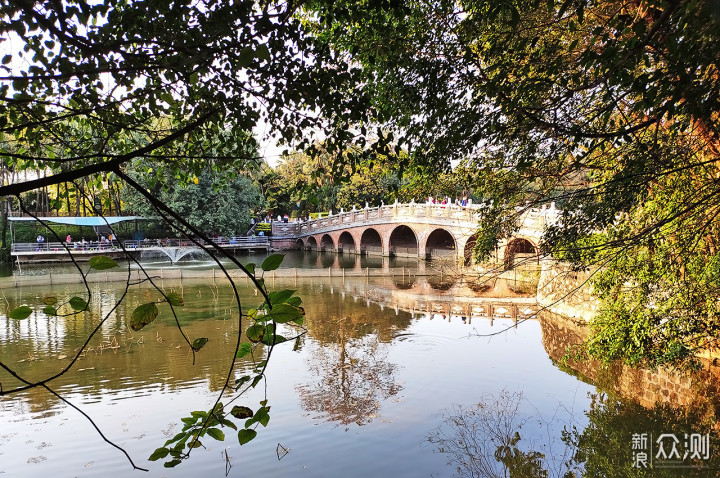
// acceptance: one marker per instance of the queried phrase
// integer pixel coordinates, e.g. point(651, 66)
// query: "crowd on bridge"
point(448, 200)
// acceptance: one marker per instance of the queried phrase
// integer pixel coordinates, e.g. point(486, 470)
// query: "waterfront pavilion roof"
point(80, 221)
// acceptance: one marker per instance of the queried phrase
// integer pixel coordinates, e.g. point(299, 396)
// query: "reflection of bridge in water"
point(430, 296)
point(414, 230)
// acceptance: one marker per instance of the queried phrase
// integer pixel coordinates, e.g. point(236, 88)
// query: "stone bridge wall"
point(422, 219)
point(566, 292)
point(646, 387)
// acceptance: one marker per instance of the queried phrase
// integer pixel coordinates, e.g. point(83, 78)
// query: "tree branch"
point(103, 167)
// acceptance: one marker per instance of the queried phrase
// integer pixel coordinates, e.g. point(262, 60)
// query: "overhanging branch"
point(103, 167)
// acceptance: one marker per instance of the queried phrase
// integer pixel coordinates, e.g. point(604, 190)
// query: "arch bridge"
point(425, 231)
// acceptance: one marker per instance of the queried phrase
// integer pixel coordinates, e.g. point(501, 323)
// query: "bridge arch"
point(327, 243)
point(371, 242)
point(346, 243)
point(441, 244)
point(300, 244)
point(469, 250)
point(519, 249)
point(311, 243)
point(403, 242)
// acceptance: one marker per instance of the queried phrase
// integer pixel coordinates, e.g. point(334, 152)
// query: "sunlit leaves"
point(143, 315)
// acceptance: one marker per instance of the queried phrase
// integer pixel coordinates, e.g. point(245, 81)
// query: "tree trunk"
point(4, 226)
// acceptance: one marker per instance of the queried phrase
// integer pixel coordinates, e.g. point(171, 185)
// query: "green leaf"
point(280, 296)
point(190, 420)
point(78, 303)
point(49, 310)
point(250, 266)
point(242, 380)
point(175, 438)
point(262, 416)
point(295, 301)
point(240, 412)
point(143, 315)
point(272, 262)
point(228, 423)
point(244, 349)
point(283, 313)
point(172, 463)
point(195, 444)
point(245, 57)
point(262, 52)
point(100, 263)
point(199, 343)
point(274, 339)
point(159, 453)
point(255, 332)
point(245, 435)
point(20, 313)
point(175, 299)
point(50, 300)
point(216, 434)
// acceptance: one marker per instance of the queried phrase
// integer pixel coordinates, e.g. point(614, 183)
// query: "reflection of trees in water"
point(441, 282)
point(484, 440)
point(605, 447)
point(403, 282)
point(354, 378)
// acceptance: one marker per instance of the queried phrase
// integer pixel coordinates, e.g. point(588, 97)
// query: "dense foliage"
point(610, 108)
point(302, 184)
point(89, 89)
point(211, 203)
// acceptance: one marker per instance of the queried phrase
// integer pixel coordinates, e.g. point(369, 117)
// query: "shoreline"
point(215, 273)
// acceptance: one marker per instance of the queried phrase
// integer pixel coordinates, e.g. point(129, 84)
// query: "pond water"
point(156, 260)
point(393, 378)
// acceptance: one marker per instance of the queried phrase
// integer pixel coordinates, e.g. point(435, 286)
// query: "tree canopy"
point(608, 107)
point(89, 88)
